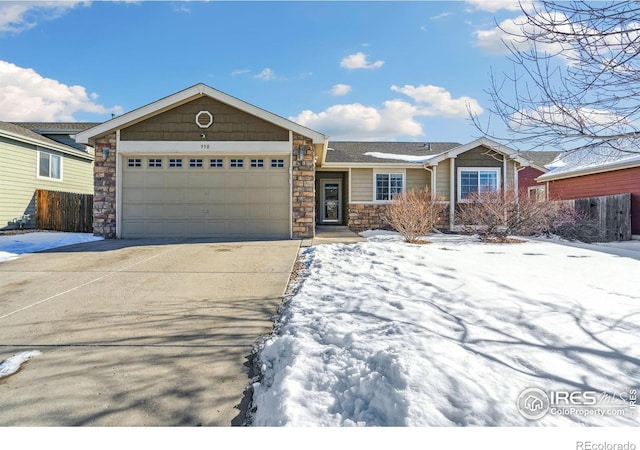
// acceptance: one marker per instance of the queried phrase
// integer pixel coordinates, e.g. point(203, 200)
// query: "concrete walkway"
point(331, 234)
point(137, 333)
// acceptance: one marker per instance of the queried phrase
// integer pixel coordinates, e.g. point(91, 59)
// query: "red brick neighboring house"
point(592, 173)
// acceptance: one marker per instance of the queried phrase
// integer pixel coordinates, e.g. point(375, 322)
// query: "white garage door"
point(205, 196)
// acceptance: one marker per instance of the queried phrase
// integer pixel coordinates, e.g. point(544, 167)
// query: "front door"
point(331, 205)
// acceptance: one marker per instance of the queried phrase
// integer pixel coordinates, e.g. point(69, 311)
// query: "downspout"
point(516, 181)
point(504, 173)
point(452, 191)
point(432, 182)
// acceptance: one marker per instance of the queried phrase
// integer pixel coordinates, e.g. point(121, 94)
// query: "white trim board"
point(205, 147)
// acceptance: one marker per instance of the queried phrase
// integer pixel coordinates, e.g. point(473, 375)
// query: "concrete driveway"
point(137, 333)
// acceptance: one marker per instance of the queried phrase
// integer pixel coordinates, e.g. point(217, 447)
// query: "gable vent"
point(204, 119)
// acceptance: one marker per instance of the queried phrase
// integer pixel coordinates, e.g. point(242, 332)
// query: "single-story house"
point(364, 176)
point(527, 176)
point(201, 163)
point(596, 172)
point(31, 161)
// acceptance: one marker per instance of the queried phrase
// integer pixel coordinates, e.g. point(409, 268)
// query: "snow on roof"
point(589, 159)
point(406, 158)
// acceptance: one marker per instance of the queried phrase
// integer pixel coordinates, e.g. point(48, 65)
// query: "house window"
point(195, 162)
point(257, 163)
point(49, 166)
point(155, 162)
point(277, 163)
point(477, 180)
point(134, 162)
point(388, 185)
point(216, 163)
point(237, 163)
point(537, 193)
point(175, 162)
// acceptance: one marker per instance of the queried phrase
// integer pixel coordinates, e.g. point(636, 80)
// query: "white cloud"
point(512, 32)
point(494, 5)
point(340, 89)
point(356, 121)
point(16, 17)
point(237, 72)
point(266, 74)
point(359, 61)
point(440, 16)
point(394, 119)
point(437, 101)
point(26, 95)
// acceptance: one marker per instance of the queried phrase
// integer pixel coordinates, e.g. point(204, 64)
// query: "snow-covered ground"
point(450, 333)
point(14, 245)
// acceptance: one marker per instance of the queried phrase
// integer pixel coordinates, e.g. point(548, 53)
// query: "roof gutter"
point(60, 148)
point(629, 164)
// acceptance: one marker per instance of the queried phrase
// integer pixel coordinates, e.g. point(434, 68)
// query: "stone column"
point(304, 188)
point(104, 188)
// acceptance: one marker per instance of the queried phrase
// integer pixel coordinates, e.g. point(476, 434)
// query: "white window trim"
point(497, 170)
point(40, 177)
point(390, 171)
point(531, 190)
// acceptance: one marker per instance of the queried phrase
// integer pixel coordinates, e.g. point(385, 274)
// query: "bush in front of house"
point(496, 215)
point(415, 213)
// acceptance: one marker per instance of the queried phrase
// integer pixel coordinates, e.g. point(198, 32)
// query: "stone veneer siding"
point(304, 188)
point(366, 216)
point(104, 196)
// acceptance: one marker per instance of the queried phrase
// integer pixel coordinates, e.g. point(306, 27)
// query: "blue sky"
point(350, 70)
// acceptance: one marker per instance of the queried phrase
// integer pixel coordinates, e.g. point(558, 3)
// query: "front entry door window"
point(331, 202)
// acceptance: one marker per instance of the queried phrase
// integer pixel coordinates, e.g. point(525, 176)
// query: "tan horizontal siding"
point(361, 185)
point(418, 179)
point(442, 179)
point(229, 124)
point(18, 179)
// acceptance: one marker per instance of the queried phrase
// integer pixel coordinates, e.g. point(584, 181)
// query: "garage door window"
point(195, 162)
point(175, 162)
point(215, 163)
point(255, 163)
point(155, 162)
point(277, 163)
point(237, 163)
point(134, 162)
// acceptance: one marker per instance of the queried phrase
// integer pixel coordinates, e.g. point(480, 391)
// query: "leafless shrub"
point(569, 223)
point(500, 214)
point(414, 214)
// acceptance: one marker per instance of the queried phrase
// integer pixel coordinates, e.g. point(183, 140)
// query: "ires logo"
point(534, 403)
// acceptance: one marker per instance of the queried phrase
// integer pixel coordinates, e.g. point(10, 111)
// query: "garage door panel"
point(208, 201)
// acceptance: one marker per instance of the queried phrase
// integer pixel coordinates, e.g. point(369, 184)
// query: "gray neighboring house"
point(40, 156)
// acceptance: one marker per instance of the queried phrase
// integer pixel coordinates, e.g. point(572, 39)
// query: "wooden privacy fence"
point(610, 213)
point(64, 211)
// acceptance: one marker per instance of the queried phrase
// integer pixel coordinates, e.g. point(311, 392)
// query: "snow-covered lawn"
point(14, 245)
point(450, 333)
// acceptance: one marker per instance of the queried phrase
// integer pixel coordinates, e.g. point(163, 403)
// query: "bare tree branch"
point(575, 80)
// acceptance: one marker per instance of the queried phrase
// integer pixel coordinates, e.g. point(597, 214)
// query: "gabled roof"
point(540, 158)
point(485, 142)
point(185, 96)
point(57, 127)
point(22, 134)
point(590, 160)
point(350, 152)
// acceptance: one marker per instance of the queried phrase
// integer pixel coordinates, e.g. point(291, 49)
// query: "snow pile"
point(11, 365)
point(450, 333)
point(14, 245)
